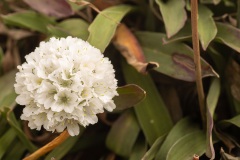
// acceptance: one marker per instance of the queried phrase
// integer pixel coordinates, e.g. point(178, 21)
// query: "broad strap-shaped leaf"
point(28, 19)
point(123, 134)
point(233, 121)
point(129, 95)
point(212, 99)
point(182, 128)
point(21, 135)
point(6, 141)
point(174, 15)
point(187, 146)
point(75, 27)
point(102, 29)
point(7, 93)
point(139, 149)
point(16, 152)
point(152, 113)
point(228, 35)
point(150, 154)
point(207, 29)
point(175, 59)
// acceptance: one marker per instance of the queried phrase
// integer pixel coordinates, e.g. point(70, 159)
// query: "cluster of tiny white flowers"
point(64, 83)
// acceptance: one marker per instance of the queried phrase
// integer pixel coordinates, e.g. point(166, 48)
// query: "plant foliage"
point(157, 115)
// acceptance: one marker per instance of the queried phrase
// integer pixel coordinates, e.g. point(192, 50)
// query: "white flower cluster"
point(64, 83)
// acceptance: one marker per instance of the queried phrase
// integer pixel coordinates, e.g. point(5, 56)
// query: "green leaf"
point(7, 93)
point(103, 28)
point(174, 15)
point(123, 134)
point(28, 19)
point(183, 127)
point(16, 152)
point(75, 27)
point(56, 31)
point(60, 151)
point(175, 59)
point(212, 99)
point(152, 113)
point(228, 35)
point(139, 149)
point(6, 141)
point(150, 154)
point(207, 29)
point(21, 135)
point(233, 121)
point(187, 146)
point(129, 95)
point(183, 35)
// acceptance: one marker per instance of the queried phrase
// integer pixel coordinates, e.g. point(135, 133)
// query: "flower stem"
point(195, 40)
point(48, 147)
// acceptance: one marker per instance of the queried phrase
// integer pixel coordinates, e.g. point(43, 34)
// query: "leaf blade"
point(129, 95)
point(212, 99)
point(175, 59)
point(28, 19)
point(152, 113)
point(207, 29)
point(228, 35)
point(174, 15)
point(121, 141)
point(104, 25)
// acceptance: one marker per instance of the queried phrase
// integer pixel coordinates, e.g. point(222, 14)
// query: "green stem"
point(195, 40)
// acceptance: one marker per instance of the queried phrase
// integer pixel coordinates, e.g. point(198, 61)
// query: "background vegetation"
point(150, 45)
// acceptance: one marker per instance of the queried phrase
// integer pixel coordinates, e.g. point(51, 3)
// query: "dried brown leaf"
point(130, 48)
point(103, 4)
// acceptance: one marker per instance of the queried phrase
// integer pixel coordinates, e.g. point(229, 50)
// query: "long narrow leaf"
point(187, 146)
point(103, 27)
point(183, 127)
point(123, 134)
point(6, 140)
point(212, 99)
point(28, 19)
point(139, 149)
point(16, 152)
point(152, 113)
point(150, 154)
point(21, 135)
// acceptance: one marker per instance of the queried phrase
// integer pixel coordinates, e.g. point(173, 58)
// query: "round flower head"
point(64, 83)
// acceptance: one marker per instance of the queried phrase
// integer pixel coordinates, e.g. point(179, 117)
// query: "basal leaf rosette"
point(64, 83)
